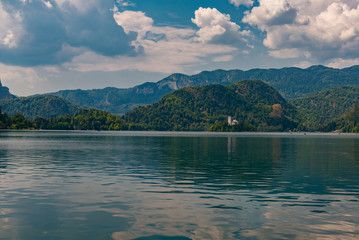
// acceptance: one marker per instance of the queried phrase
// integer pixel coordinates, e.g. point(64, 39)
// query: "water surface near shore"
point(178, 185)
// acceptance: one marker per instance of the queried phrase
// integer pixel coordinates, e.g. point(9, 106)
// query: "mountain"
point(114, 100)
point(5, 93)
point(39, 106)
point(320, 108)
point(348, 123)
point(256, 105)
point(290, 82)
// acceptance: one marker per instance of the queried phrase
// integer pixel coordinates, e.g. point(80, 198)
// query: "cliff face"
point(5, 93)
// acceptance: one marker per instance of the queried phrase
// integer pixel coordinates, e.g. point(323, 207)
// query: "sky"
point(50, 45)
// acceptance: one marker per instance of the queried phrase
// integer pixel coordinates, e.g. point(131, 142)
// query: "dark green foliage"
point(18, 121)
point(87, 119)
point(4, 120)
point(252, 103)
point(290, 82)
point(320, 108)
point(39, 106)
point(348, 123)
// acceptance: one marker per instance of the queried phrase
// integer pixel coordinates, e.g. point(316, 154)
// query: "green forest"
point(290, 82)
point(41, 105)
point(256, 105)
point(253, 104)
point(87, 119)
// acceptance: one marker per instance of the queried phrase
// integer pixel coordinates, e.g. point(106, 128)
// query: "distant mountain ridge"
point(290, 82)
point(320, 108)
point(39, 106)
point(5, 93)
point(348, 122)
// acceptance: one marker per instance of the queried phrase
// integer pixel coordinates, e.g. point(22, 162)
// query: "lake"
point(153, 185)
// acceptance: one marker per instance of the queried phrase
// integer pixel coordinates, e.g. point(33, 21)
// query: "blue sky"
point(48, 45)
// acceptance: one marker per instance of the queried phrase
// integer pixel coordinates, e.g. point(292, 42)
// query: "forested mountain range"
point(39, 106)
point(256, 105)
point(318, 109)
point(290, 82)
point(348, 123)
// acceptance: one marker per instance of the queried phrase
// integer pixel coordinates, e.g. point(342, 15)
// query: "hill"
point(5, 93)
point(323, 107)
point(256, 105)
point(348, 123)
point(290, 82)
point(39, 106)
point(86, 119)
point(114, 100)
point(18, 121)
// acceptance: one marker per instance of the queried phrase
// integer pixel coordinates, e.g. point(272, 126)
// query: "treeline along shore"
point(250, 105)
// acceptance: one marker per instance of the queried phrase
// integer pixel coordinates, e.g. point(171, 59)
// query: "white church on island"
point(232, 122)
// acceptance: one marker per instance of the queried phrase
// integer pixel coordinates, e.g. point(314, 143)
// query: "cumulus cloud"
point(216, 27)
point(39, 32)
point(271, 12)
point(98, 35)
point(326, 29)
point(237, 3)
point(165, 49)
point(10, 27)
point(134, 21)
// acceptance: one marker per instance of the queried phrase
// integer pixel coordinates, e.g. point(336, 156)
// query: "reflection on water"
point(128, 185)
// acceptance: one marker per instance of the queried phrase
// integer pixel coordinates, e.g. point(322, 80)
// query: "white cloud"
point(9, 39)
point(124, 3)
point(16, 77)
point(32, 36)
point(81, 5)
point(304, 64)
point(165, 49)
point(10, 28)
point(224, 58)
point(288, 53)
point(343, 63)
point(326, 29)
point(48, 4)
point(241, 2)
point(271, 12)
point(162, 56)
point(216, 27)
point(135, 21)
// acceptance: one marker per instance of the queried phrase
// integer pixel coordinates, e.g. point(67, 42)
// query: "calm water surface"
point(131, 185)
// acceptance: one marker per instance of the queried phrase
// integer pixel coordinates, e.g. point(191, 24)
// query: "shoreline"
point(189, 133)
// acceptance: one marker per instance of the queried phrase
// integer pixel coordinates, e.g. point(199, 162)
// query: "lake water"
point(148, 185)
